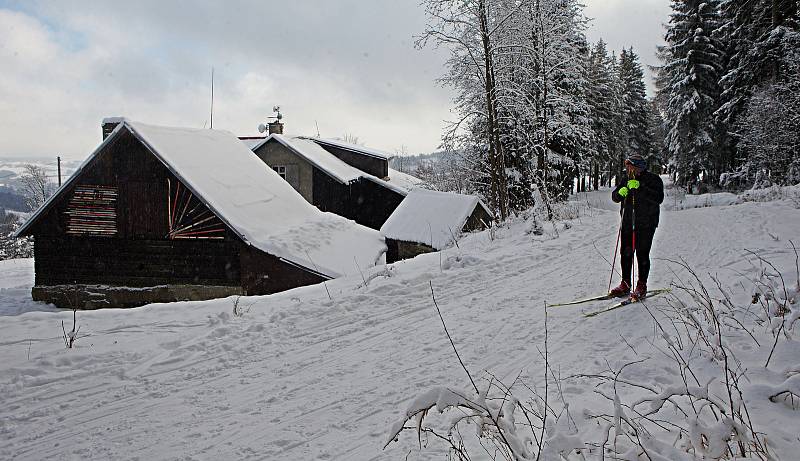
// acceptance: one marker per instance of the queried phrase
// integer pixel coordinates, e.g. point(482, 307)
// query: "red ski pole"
point(616, 246)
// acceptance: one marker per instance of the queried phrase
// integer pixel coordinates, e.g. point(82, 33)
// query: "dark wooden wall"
point(136, 262)
point(479, 219)
point(141, 182)
point(398, 250)
point(264, 274)
point(363, 201)
point(141, 254)
point(375, 166)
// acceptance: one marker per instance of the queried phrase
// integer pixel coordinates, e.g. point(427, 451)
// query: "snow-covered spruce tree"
point(636, 117)
point(690, 77)
point(759, 35)
point(604, 103)
point(659, 131)
point(770, 129)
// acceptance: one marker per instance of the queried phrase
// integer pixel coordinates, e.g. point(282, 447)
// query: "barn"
point(160, 214)
point(428, 221)
point(351, 181)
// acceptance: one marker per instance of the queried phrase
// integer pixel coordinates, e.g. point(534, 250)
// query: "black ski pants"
point(644, 240)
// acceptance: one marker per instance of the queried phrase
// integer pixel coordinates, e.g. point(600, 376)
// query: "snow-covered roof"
point(319, 157)
point(252, 199)
point(430, 217)
point(353, 147)
point(403, 180)
point(113, 120)
point(252, 142)
point(336, 168)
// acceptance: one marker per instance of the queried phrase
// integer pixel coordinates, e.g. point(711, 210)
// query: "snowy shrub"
point(71, 336)
point(10, 247)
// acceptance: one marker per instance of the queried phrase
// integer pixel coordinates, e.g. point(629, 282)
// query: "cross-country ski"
point(626, 302)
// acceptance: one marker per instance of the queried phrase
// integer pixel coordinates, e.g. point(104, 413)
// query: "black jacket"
point(647, 200)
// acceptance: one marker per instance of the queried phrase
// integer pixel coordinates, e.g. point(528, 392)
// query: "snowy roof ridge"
point(351, 147)
point(321, 158)
point(250, 198)
point(430, 217)
point(402, 180)
point(330, 164)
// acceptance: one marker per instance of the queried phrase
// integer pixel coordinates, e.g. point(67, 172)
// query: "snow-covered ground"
point(302, 376)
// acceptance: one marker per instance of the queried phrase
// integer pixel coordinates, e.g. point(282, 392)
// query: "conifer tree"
point(638, 137)
point(761, 37)
point(603, 99)
point(690, 75)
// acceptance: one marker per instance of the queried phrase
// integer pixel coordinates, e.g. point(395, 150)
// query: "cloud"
point(630, 23)
point(347, 66)
point(151, 61)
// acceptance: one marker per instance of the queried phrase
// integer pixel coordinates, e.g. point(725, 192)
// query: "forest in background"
point(543, 112)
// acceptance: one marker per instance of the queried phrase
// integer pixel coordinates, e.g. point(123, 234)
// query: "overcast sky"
point(346, 66)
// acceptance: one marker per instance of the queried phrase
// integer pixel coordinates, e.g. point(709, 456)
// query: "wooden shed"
point(161, 214)
point(352, 183)
point(428, 221)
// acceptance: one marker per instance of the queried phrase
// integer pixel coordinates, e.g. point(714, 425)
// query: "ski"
point(626, 302)
point(581, 301)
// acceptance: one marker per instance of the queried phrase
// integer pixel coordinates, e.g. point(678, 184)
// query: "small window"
point(281, 170)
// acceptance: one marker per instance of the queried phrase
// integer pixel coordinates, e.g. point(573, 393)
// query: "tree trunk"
point(496, 160)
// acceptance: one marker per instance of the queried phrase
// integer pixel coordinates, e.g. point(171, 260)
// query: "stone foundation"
point(103, 296)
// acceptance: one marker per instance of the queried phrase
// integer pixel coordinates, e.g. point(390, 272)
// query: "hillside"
point(302, 376)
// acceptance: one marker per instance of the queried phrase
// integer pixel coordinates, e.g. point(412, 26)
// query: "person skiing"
point(640, 198)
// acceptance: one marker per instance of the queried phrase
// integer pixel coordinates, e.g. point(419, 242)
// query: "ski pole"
point(633, 234)
point(616, 246)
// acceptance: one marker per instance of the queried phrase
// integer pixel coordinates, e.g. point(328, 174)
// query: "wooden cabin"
point(428, 221)
point(351, 181)
point(161, 214)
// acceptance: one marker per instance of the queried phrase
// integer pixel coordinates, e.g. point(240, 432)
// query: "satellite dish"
point(261, 128)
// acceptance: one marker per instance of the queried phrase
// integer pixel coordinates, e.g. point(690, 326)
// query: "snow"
point(352, 147)
point(113, 120)
point(332, 165)
point(252, 143)
point(255, 202)
point(321, 158)
point(301, 376)
point(430, 217)
point(403, 180)
point(16, 280)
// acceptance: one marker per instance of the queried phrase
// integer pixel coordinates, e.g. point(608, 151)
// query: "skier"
point(639, 198)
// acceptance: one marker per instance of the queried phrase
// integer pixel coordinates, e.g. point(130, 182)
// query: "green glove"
point(623, 192)
point(633, 184)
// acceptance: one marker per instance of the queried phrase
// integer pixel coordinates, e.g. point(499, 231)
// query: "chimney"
point(275, 127)
point(109, 123)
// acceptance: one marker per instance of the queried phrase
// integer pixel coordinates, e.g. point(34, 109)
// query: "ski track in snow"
point(302, 377)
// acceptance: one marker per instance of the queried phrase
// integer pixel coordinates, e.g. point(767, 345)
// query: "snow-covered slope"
point(302, 376)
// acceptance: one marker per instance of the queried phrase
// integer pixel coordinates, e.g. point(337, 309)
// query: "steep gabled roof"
point(318, 157)
point(430, 217)
point(251, 198)
point(330, 164)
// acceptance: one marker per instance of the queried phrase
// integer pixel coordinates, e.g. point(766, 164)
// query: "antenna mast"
point(212, 97)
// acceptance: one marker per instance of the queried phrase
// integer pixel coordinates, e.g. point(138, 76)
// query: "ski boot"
point(640, 292)
point(621, 291)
